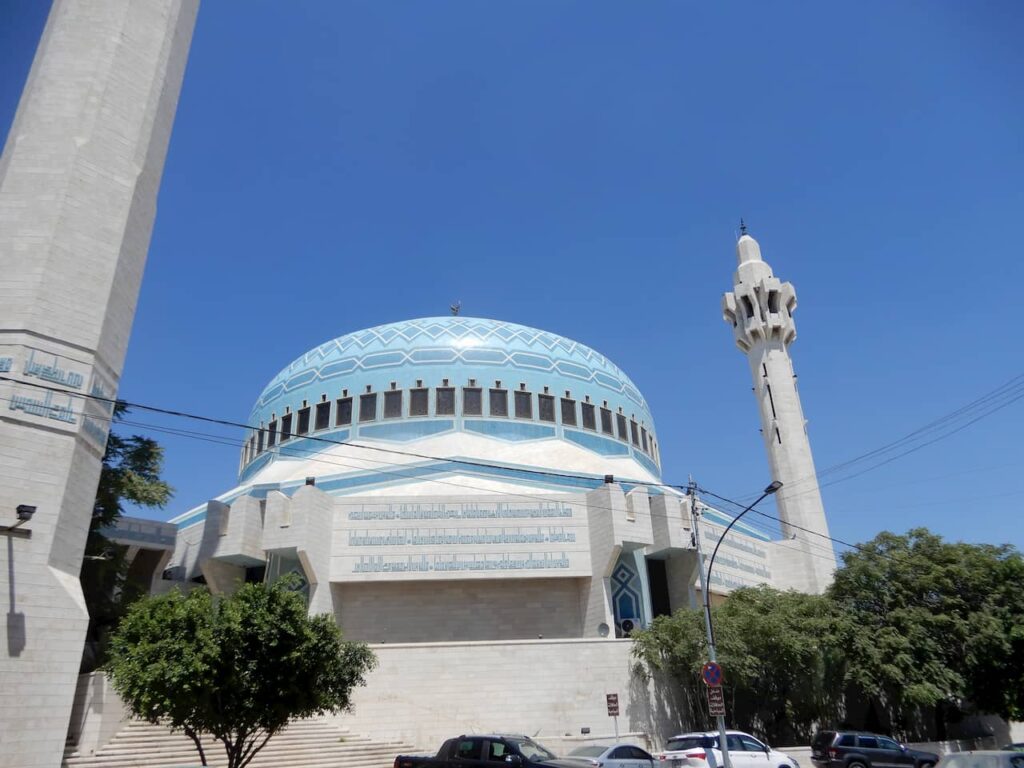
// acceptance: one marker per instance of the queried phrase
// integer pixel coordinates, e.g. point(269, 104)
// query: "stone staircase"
point(312, 743)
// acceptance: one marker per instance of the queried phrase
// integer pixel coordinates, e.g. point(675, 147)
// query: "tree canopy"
point(912, 627)
point(235, 667)
point(130, 475)
point(934, 622)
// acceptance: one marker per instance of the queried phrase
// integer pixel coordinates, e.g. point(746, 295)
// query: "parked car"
point(856, 749)
point(614, 756)
point(1006, 758)
point(487, 751)
point(700, 750)
point(1018, 747)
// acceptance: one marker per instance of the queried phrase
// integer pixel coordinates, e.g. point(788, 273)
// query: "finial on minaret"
point(455, 308)
point(743, 227)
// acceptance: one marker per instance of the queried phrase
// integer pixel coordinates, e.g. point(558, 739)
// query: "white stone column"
point(78, 184)
point(760, 309)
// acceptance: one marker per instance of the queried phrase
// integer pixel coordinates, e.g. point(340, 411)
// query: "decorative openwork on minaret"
point(760, 309)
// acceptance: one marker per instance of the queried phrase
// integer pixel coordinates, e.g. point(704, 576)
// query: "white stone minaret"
point(760, 309)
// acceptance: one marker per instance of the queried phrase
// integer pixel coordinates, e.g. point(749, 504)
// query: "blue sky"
point(581, 167)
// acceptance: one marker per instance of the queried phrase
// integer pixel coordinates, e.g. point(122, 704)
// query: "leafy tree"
point(130, 474)
point(236, 667)
point(779, 650)
point(934, 624)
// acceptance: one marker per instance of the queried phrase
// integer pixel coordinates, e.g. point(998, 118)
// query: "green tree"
point(934, 624)
point(130, 475)
point(235, 667)
point(780, 653)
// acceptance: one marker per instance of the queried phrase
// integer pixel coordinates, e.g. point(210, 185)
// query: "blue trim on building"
point(403, 431)
point(600, 445)
point(505, 429)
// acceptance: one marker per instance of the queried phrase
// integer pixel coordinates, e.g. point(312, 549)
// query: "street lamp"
point(705, 587)
point(775, 485)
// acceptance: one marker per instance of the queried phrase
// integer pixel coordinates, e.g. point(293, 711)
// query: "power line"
point(1001, 397)
point(320, 438)
point(833, 539)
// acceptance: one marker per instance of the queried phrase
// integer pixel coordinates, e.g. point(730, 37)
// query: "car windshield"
point(682, 743)
point(532, 751)
point(587, 752)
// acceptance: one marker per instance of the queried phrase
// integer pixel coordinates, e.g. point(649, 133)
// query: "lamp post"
point(705, 588)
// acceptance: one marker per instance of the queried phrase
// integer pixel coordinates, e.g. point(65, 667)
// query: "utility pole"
point(691, 491)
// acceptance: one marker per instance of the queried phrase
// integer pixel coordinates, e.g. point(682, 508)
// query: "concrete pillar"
point(78, 184)
point(760, 309)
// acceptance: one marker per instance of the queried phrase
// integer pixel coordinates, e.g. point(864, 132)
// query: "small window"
point(643, 439)
point(472, 401)
point(621, 421)
point(884, 743)
point(499, 402)
point(524, 405)
point(445, 401)
point(748, 307)
point(303, 425)
point(546, 407)
point(419, 403)
point(867, 742)
point(751, 744)
point(272, 434)
point(343, 411)
point(497, 752)
point(773, 301)
point(286, 427)
point(568, 412)
point(620, 753)
point(847, 740)
point(259, 442)
point(469, 749)
point(606, 422)
point(393, 404)
point(589, 420)
point(323, 416)
point(633, 433)
point(368, 406)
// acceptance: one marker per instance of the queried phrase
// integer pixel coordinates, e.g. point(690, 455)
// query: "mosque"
point(464, 493)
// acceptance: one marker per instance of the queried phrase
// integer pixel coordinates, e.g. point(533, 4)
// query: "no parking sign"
point(712, 674)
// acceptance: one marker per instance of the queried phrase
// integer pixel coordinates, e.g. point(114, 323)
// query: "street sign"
point(712, 674)
point(613, 704)
point(716, 701)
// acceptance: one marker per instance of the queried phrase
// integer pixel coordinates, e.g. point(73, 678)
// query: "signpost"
point(612, 700)
point(716, 701)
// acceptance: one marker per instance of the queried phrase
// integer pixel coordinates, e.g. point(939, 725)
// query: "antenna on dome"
point(455, 308)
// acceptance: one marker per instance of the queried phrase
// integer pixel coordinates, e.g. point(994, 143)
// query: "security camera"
point(25, 512)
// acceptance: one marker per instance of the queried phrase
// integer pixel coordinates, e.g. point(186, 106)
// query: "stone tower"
point(78, 185)
point(760, 309)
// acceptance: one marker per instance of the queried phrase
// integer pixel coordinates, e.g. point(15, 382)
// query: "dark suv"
point(854, 749)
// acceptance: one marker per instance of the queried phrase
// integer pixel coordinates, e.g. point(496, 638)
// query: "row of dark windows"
point(365, 408)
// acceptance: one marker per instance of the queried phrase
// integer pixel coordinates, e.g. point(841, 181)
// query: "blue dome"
point(459, 352)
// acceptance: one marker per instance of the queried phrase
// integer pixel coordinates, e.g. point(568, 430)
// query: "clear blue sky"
point(581, 167)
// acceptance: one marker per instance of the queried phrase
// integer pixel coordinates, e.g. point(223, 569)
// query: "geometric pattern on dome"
point(442, 340)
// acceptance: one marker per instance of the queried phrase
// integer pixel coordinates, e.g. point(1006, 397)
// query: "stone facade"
point(78, 184)
point(548, 689)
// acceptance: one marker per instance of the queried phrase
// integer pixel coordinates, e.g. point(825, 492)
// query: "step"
point(309, 743)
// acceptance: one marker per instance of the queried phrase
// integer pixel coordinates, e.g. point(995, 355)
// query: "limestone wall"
point(548, 689)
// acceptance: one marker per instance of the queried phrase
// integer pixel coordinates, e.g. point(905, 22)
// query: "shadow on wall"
point(16, 634)
point(657, 706)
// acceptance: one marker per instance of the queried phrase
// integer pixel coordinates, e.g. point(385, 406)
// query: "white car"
point(614, 756)
point(700, 750)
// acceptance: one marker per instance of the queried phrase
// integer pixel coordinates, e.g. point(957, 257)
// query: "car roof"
point(709, 733)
